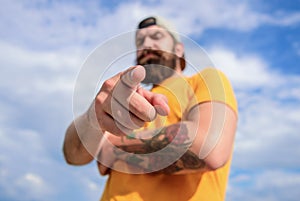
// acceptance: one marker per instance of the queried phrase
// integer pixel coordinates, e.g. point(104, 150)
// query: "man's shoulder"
point(206, 73)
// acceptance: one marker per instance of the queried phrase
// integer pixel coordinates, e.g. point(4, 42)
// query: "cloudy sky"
point(43, 45)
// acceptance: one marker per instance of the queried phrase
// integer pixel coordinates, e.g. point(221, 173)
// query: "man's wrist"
point(91, 117)
point(89, 131)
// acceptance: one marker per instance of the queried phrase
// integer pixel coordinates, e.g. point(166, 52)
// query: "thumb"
point(133, 76)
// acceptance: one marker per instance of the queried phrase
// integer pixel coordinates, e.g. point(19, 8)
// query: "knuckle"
point(108, 84)
point(99, 99)
point(103, 99)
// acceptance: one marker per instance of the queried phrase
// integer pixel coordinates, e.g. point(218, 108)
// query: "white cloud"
point(271, 185)
point(37, 88)
point(232, 14)
point(283, 19)
point(45, 46)
point(33, 187)
point(93, 186)
point(58, 24)
point(30, 171)
point(268, 133)
point(31, 75)
point(20, 152)
point(26, 59)
point(245, 71)
point(268, 129)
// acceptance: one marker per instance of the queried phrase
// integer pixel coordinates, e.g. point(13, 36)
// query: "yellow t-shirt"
point(182, 94)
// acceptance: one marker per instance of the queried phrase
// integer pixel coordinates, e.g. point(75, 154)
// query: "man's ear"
point(179, 49)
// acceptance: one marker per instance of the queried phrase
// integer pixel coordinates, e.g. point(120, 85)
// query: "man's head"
point(159, 49)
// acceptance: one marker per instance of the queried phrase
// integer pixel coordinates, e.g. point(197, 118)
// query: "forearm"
point(205, 139)
point(171, 145)
point(81, 142)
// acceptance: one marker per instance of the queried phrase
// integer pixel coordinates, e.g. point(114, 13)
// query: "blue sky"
point(44, 43)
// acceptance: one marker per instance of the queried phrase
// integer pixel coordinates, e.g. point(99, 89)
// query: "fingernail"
point(138, 73)
point(131, 74)
point(152, 114)
point(160, 110)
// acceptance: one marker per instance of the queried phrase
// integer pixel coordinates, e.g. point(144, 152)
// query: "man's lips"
point(144, 58)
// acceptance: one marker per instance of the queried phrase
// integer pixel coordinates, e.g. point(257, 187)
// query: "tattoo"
point(189, 161)
point(172, 142)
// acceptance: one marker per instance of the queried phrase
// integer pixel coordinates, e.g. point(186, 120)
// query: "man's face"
point(155, 51)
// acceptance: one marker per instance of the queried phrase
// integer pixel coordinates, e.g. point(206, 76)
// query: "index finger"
point(125, 93)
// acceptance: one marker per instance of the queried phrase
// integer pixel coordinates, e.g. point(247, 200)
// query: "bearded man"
point(173, 142)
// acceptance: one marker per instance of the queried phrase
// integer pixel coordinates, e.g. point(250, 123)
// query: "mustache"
point(156, 53)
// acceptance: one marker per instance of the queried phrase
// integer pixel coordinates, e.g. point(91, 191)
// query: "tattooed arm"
point(166, 152)
point(203, 141)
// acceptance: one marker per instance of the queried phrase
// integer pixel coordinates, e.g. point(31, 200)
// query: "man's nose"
point(148, 43)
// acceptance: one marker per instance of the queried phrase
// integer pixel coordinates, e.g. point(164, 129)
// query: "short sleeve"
point(212, 85)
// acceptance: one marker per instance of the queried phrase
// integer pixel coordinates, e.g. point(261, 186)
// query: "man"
point(171, 143)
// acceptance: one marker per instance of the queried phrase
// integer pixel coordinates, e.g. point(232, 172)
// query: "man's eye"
point(157, 36)
point(139, 41)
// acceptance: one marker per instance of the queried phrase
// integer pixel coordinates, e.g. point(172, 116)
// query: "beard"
point(159, 65)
